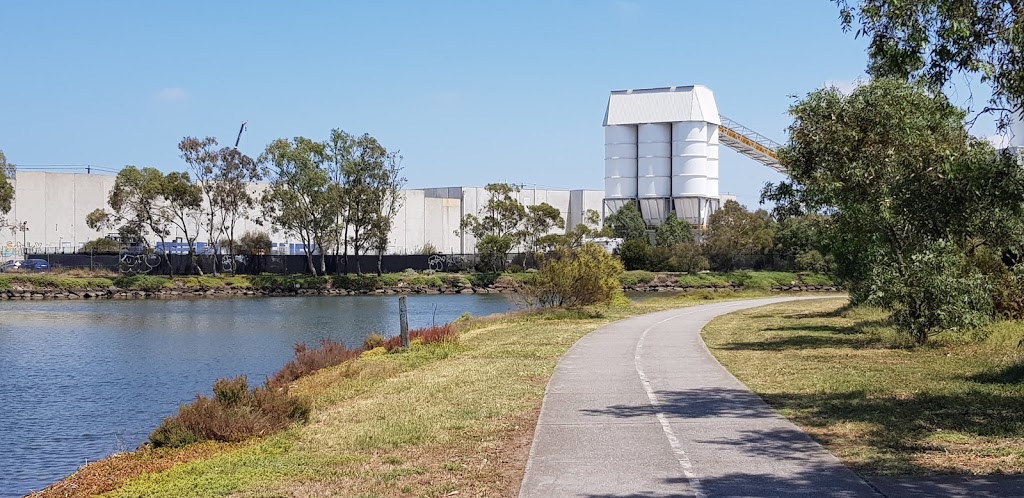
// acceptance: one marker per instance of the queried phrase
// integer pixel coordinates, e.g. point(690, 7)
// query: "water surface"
point(80, 380)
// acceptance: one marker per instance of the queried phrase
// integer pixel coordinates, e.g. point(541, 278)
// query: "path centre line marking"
point(673, 440)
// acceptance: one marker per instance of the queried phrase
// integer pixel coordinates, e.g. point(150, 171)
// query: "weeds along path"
point(641, 408)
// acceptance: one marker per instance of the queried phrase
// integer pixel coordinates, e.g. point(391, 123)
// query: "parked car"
point(34, 265)
point(10, 267)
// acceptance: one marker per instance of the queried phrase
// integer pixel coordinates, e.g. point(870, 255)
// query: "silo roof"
point(662, 105)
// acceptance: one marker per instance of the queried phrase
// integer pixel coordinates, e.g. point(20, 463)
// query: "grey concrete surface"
point(950, 486)
point(640, 409)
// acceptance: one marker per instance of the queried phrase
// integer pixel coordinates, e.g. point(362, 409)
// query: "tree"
point(573, 278)
point(340, 148)
point(6, 189)
point(254, 243)
point(389, 182)
point(733, 232)
point(932, 40)
point(102, 245)
point(224, 176)
point(301, 200)
point(182, 208)
point(673, 232)
point(503, 224)
point(363, 179)
point(627, 223)
point(904, 185)
point(636, 254)
point(136, 203)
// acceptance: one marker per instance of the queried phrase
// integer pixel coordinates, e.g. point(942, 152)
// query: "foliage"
point(55, 282)
point(683, 257)
point(734, 232)
point(141, 282)
point(636, 254)
point(627, 223)
point(482, 279)
point(812, 261)
point(135, 203)
point(374, 340)
point(356, 282)
point(428, 249)
point(309, 360)
point(6, 189)
point(234, 413)
point(301, 200)
point(934, 290)
point(673, 232)
point(573, 278)
point(103, 245)
point(763, 280)
point(254, 243)
point(288, 282)
point(437, 334)
point(503, 223)
point(933, 40)
point(904, 185)
point(633, 278)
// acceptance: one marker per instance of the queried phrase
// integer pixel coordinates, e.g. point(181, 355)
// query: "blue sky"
point(471, 92)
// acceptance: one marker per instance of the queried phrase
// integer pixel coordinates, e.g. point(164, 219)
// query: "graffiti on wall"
point(138, 264)
point(446, 263)
point(13, 249)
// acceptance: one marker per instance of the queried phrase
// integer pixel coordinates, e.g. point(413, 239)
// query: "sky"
point(469, 92)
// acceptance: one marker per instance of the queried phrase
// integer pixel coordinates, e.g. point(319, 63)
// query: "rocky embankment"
point(21, 293)
point(28, 292)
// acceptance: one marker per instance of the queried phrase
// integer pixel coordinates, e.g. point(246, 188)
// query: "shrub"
point(233, 413)
point(356, 282)
point(933, 290)
point(576, 277)
point(254, 243)
point(812, 261)
point(288, 282)
point(102, 245)
point(428, 249)
point(374, 341)
point(482, 279)
point(636, 277)
point(308, 360)
point(636, 254)
point(432, 281)
point(371, 353)
point(142, 282)
point(430, 335)
point(763, 280)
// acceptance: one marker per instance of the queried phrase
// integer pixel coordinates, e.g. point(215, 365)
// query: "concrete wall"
point(55, 205)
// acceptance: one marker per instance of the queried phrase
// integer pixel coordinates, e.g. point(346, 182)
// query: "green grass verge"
point(878, 403)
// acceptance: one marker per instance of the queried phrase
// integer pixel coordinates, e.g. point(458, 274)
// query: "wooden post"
point(403, 315)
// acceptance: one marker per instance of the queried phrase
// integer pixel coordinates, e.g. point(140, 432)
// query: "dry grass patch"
point(879, 404)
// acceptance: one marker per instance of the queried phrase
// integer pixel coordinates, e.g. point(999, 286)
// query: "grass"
point(453, 416)
point(878, 403)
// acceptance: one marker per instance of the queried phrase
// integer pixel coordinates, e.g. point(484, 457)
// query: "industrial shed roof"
point(662, 105)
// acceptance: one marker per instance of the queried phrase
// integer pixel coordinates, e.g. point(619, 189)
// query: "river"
point(80, 380)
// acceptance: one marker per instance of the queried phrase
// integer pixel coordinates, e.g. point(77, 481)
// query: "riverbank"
point(437, 420)
point(36, 286)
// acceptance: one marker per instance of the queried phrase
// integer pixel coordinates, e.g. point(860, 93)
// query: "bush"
point(374, 341)
point(431, 335)
point(371, 353)
point(636, 254)
point(102, 245)
point(812, 261)
point(763, 280)
point(356, 282)
point(142, 282)
point(482, 279)
point(635, 277)
point(576, 277)
point(307, 361)
point(932, 291)
point(234, 413)
point(254, 243)
point(288, 282)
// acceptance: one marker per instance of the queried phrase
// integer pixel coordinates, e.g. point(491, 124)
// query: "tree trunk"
point(344, 255)
point(309, 260)
point(380, 263)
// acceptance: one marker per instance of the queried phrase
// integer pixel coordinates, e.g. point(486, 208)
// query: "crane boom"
point(240, 130)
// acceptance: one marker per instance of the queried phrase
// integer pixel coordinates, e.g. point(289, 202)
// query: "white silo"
point(689, 168)
point(677, 165)
point(712, 181)
point(620, 165)
point(654, 171)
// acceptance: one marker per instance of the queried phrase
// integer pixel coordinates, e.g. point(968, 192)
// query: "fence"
point(157, 264)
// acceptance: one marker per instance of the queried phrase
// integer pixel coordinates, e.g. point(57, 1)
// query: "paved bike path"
point(640, 409)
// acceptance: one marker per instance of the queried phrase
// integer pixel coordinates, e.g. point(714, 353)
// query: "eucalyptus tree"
point(182, 208)
point(135, 203)
point(388, 185)
point(301, 199)
point(504, 223)
point(339, 148)
point(932, 41)
point(365, 177)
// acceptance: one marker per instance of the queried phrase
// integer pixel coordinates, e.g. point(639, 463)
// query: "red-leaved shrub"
point(429, 335)
point(308, 360)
